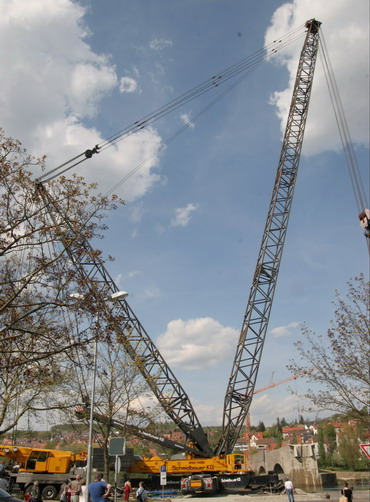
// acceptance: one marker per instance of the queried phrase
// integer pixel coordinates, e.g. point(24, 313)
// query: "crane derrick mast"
point(130, 332)
point(252, 336)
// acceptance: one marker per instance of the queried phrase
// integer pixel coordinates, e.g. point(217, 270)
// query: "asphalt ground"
point(358, 496)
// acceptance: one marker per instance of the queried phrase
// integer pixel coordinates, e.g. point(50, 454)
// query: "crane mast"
point(129, 331)
point(244, 372)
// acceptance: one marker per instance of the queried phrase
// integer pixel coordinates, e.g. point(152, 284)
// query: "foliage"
point(261, 427)
point(39, 338)
point(74, 447)
point(339, 361)
point(121, 395)
point(321, 446)
point(348, 447)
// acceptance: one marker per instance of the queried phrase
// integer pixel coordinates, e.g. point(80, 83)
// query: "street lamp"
point(118, 295)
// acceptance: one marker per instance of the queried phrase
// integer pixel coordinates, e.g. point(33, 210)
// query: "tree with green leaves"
point(339, 360)
point(348, 448)
point(261, 427)
point(321, 447)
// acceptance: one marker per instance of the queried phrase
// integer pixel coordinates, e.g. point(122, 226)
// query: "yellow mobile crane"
point(206, 469)
point(50, 468)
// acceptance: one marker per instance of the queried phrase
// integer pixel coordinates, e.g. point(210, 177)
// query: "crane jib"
point(252, 336)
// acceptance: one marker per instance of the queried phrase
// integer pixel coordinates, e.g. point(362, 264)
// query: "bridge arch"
point(278, 469)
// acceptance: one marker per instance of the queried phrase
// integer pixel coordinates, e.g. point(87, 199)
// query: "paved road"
point(358, 496)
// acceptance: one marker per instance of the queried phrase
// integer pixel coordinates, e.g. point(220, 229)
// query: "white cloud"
point(196, 343)
point(159, 44)
point(53, 81)
point(128, 84)
point(88, 85)
point(118, 279)
point(266, 409)
point(284, 330)
point(208, 414)
point(183, 215)
point(63, 138)
point(133, 273)
point(185, 117)
point(346, 33)
point(136, 213)
point(152, 292)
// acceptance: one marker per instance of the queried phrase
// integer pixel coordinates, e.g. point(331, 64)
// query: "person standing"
point(35, 492)
point(141, 493)
point(127, 490)
point(4, 483)
point(347, 492)
point(82, 497)
point(289, 488)
point(75, 488)
point(64, 492)
point(99, 490)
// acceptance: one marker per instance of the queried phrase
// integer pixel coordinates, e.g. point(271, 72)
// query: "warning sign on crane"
point(366, 449)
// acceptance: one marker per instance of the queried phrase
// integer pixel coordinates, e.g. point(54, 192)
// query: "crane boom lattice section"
point(249, 350)
point(121, 320)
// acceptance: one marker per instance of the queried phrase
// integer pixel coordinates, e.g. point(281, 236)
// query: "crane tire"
point(49, 492)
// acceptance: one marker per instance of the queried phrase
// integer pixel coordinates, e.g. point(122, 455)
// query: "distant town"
point(256, 438)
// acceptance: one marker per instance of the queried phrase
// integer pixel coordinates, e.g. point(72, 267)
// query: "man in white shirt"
point(289, 490)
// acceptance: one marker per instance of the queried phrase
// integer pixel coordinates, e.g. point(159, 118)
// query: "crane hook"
point(90, 153)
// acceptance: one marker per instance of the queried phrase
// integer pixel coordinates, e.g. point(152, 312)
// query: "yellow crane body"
point(41, 459)
point(233, 464)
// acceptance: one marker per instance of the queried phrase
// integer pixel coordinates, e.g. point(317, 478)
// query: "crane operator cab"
point(364, 218)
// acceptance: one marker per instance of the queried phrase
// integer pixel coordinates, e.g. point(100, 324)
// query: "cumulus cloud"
point(136, 213)
point(53, 81)
point(158, 44)
point(265, 408)
point(208, 414)
point(119, 160)
point(118, 279)
point(128, 84)
point(185, 117)
point(196, 343)
point(183, 215)
point(346, 33)
point(284, 330)
point(88, 85)
point(152, 292)
point(133, 273)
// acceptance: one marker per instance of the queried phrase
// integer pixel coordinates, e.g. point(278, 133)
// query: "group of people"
point(99, 490)
point(73, 491)
point(346, 492)
point(141, 493)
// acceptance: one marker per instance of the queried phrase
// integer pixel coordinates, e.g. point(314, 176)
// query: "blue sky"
point(187, 240)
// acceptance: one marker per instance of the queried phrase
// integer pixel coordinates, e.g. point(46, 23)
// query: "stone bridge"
point(297, 462)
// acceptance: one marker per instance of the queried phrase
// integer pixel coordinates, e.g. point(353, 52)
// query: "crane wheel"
point(49, 492)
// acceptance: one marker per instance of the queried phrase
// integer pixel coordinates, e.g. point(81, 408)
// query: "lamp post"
point(118, 295)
